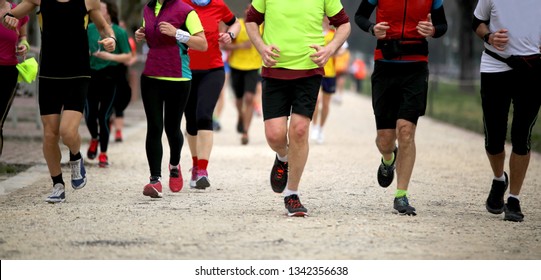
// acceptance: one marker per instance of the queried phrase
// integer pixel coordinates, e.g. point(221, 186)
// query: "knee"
point(299, 131)
point(406, 133)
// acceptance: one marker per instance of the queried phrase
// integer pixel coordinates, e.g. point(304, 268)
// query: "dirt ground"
point(240, 218)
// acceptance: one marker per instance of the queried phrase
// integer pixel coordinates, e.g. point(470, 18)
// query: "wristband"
point(371, 29)
point(232, 35)
point(182, 36)
point(112, 37)
point(487, 37)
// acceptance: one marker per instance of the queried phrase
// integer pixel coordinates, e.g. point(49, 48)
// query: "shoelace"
point(75, 170)
point(294, 203)
point(57, 191)
point(280, 171)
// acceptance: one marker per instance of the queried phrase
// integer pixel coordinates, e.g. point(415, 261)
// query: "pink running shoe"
point(203, 181)
point(193, 179)
point(154, 188)
point(175, 178)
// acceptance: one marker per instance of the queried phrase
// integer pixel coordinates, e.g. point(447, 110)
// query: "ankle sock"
point(58, 179)
point(288, 192)
point(401, 193)
point(75, 157)
point(388, 162)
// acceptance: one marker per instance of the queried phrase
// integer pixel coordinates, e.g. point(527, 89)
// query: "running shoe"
point(294, 206)
point(495, 201)
point(512, 210)
point(78, 174)
point(193, 179)
point(92, 149)
point(202, 181)
point(386, 173)
point(103, 160)
point(118, 135)
point(175, 178)
point(278, 176)
point(58, 194)
point(240, 126)
point(216, 125)
point(153, 188)
point(402, 206)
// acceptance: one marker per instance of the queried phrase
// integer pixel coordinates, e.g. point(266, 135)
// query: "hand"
point(425, 28)
point(499, 39)
point(10, 22)
point(109, 44)
point(140, 34)
point(21, 50)
point(167, 28)
point(269, 55)
point(321, 56)
point(224, 38)
point(380, 29)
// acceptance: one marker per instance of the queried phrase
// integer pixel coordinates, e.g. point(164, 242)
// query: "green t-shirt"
point(292, 26)
point(122, 46)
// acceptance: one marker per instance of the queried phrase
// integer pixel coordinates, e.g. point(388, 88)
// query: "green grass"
point(12, 169)
point(447, 103)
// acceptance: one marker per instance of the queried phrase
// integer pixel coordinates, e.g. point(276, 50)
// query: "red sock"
point(202, 164)
point(194, 161)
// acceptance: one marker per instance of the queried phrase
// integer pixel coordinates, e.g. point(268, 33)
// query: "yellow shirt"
point(330, 71)
point(244, 59)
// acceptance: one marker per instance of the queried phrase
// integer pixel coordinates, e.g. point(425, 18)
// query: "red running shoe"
point(175, 178)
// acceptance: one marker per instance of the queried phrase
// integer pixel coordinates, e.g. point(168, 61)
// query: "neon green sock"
point(401, 193)
point(388, 162)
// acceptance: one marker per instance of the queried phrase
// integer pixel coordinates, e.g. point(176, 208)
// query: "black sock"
point(75, 157)
point(58, 179)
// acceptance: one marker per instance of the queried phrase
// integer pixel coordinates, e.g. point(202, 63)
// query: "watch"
point(232, 35)
point(487, 37)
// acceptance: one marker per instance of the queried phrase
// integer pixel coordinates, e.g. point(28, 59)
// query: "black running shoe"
point(495, 202)
point(294, 206)
point(386, 173)
point(512, 210)
point(402, 205)
point(278, 176)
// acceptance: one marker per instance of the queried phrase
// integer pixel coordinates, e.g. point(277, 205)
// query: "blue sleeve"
point(436, 4)
point(373, 2)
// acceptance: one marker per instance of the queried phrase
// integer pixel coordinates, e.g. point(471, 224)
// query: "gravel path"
point(239, 217)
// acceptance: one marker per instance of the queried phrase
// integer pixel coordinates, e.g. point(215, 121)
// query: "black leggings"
point(7, 93)
point(99, 106)
point(123, 93)
point(498, 91)
point(164, 103)
point(206, 88)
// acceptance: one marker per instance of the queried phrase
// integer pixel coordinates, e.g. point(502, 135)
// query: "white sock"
point(501, 179)
point(282, 159)
point(288, 192)
point(514, 196)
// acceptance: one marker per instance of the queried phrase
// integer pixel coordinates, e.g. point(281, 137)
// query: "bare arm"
point(106, 32)
point(196, 41)
point(11, 20)
point(323, 54)
point(268, 53)
point(497, 39)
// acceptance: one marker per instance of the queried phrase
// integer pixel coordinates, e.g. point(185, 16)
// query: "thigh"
point(74, 92)
point(276, 98)
point(305, 95)
point(251, 77)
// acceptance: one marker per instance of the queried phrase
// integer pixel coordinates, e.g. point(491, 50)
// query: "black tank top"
point(64, 41)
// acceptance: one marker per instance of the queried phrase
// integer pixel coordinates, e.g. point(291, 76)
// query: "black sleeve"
point(362, 16)
point(439, 21)
point(476, 22)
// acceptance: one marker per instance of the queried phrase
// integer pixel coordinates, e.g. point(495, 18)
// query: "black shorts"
point(56, 95)
point(328, 85)
point(500, 91)
point(399, 91)
point(282, 97)
point(243, 81)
